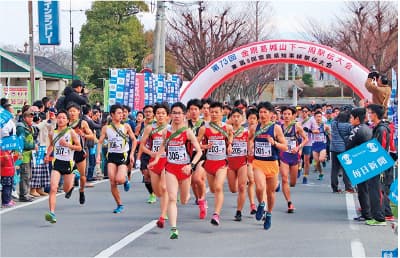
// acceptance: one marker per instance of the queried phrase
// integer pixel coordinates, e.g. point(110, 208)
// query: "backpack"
point(60, 104)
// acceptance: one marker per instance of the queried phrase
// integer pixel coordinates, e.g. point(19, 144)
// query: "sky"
point(287, 17)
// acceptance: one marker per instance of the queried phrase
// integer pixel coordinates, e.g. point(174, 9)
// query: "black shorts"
point(79, 156)
point(62, 166)
point(144, 161)
point(117, 158)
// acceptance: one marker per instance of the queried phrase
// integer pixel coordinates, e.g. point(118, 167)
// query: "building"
point(50, 78)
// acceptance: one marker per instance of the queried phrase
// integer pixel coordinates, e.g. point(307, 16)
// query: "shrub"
point(307, 79)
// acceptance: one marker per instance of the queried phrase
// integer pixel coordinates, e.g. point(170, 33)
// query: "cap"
point(28, 113)
point(77, 83)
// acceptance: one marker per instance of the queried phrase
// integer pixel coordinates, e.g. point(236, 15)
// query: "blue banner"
point(12, 143)
point(49, 28)
point(5, 116)
point(394, 192)
point(38, 156)
point(365, 161)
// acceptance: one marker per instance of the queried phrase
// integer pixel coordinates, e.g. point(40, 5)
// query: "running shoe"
point(174, 233)
point(389, 218)
point(360, 218)
point(238, 216)
point(305, 180)
point(260, 211)
point(50, 217)
point(160, 222)
point(278, 188)
point(10, 204)
point(267, 222)
point(127, 185)
point(338, 191)
point(152, 198)
point(202, 209)
point(215, 219)
point(119, 209)
point(320, 177)
point(69, 193)
point(82, 198)
point(291, 208)
point(253, 209)
point(77, 174)
point(373, 222)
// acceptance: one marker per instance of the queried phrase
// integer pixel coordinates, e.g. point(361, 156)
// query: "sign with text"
point(394, 192)
point(267, 52)
point(12, 143)
point(365, 161)
point(49, 28)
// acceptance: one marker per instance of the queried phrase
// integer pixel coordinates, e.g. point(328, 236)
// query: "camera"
point(373, 72)
point(36, 116)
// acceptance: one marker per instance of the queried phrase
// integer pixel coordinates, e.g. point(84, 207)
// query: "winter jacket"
point(7, 159)
point(71, 96)
point(340, 133)
point(358, 135)
point(381, 132)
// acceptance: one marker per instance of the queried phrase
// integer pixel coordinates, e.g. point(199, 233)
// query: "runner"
point(319, 143)
point(125, 118)
point(218, 137)
point(199, 175)
point(289, 160)
point(152, 136)
point(82, 129)
point(308, 124)
point(144, 158)
point(265, 139)
point(65, 142)
point(252, 119)
point(178, 167)
point(237, 161)
point(205, 109)
point(118, 136)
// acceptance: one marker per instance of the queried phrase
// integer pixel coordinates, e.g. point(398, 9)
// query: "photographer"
point(378, 86)
point(75, 94)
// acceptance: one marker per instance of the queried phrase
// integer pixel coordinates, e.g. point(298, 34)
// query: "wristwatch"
point(193, 166)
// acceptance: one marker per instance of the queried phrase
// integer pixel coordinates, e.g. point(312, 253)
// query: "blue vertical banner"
point(132, 89)
point(160, 88)
point(112, 88)
point(148, 80)
point(127, 87)
point(392, 108)
point(49, 28)
point(120, 86)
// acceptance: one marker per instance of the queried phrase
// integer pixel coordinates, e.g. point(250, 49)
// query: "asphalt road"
point(322, 226)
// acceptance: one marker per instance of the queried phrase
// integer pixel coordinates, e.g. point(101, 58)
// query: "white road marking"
point(357, 249)
point(126, 240)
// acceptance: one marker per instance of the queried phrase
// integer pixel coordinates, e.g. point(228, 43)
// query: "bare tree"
point(366, 31)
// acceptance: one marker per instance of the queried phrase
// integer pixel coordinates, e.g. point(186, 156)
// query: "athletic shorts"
point(269, 168)
point(176, 170)
point(318, 146)
point(292, 159)
point(159, 167)
point(79, 156)
point(212, 166)
point(307, 150)
point(237, 162)
point(117, 158)
point(62, 166)
point(250, 159)
point(144, 161)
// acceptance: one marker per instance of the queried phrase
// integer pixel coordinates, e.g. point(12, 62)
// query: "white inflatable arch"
point(343, 67)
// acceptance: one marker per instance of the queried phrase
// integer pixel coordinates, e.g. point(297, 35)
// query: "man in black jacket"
point(359, 134)
point(74, 94)
point(378, 197)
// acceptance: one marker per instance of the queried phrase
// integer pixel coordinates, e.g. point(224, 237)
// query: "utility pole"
point(32, 56)
point(159, 39)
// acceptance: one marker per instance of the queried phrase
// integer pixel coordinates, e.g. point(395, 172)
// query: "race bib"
point(319, 137)
point(262, 149)
point(156, 145)
point(177, 155)
point(61, 151)
point(218, 147)
point(291, 144)
point(239, 148)
point(115, 144)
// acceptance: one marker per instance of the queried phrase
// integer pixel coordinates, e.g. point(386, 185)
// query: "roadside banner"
point(365, 161)
point(12, 143)
point(49, 28)
point(5, 116)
